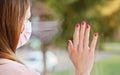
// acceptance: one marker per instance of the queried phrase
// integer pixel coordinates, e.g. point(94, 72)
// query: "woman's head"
point(12, 16)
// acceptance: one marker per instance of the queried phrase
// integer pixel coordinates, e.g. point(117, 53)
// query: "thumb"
point(70, 47)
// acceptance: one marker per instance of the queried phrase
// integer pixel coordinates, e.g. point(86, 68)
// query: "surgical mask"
point(26, 30)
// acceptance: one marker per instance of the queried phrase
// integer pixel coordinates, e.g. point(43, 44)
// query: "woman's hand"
point(81, 55)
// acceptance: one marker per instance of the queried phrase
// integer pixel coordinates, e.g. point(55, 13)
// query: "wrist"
point(81, 73)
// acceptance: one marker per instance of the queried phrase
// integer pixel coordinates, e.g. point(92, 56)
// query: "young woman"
point(15, 30)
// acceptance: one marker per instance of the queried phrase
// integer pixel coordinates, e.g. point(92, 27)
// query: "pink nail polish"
point(68, 41)
point(95, 34)
point(83, 22)
point(87, 26)
point(77, 25)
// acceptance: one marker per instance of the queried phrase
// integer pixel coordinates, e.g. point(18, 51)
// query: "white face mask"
point(26, 30)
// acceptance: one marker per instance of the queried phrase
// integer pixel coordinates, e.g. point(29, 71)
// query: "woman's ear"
point(27, 16)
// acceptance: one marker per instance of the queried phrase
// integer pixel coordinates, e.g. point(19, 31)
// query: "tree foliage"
point(74, 11)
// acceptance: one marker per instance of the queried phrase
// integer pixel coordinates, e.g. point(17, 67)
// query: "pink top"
point(9, 67)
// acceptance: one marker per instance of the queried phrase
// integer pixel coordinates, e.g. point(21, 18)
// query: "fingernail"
point(96, 34)
point(68, 41)
point(77, 25)
point(83, 22)
point(87, 26)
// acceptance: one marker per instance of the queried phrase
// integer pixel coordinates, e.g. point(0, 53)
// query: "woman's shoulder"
point(9, 67)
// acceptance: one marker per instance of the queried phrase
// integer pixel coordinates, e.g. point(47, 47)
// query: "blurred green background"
point(102, 15)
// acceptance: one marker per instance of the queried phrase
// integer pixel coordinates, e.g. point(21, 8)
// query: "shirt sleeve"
point(25, 35)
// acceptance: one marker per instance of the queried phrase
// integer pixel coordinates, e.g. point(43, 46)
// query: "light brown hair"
point(12, 14)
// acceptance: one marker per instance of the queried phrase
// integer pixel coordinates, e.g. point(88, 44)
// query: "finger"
point(93, 43)
point(76, 36)
point(70, 47)
point(81, 37)
point(87, 35)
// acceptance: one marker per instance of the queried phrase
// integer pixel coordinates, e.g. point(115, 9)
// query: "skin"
point(27, 17)
point(80, 53)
